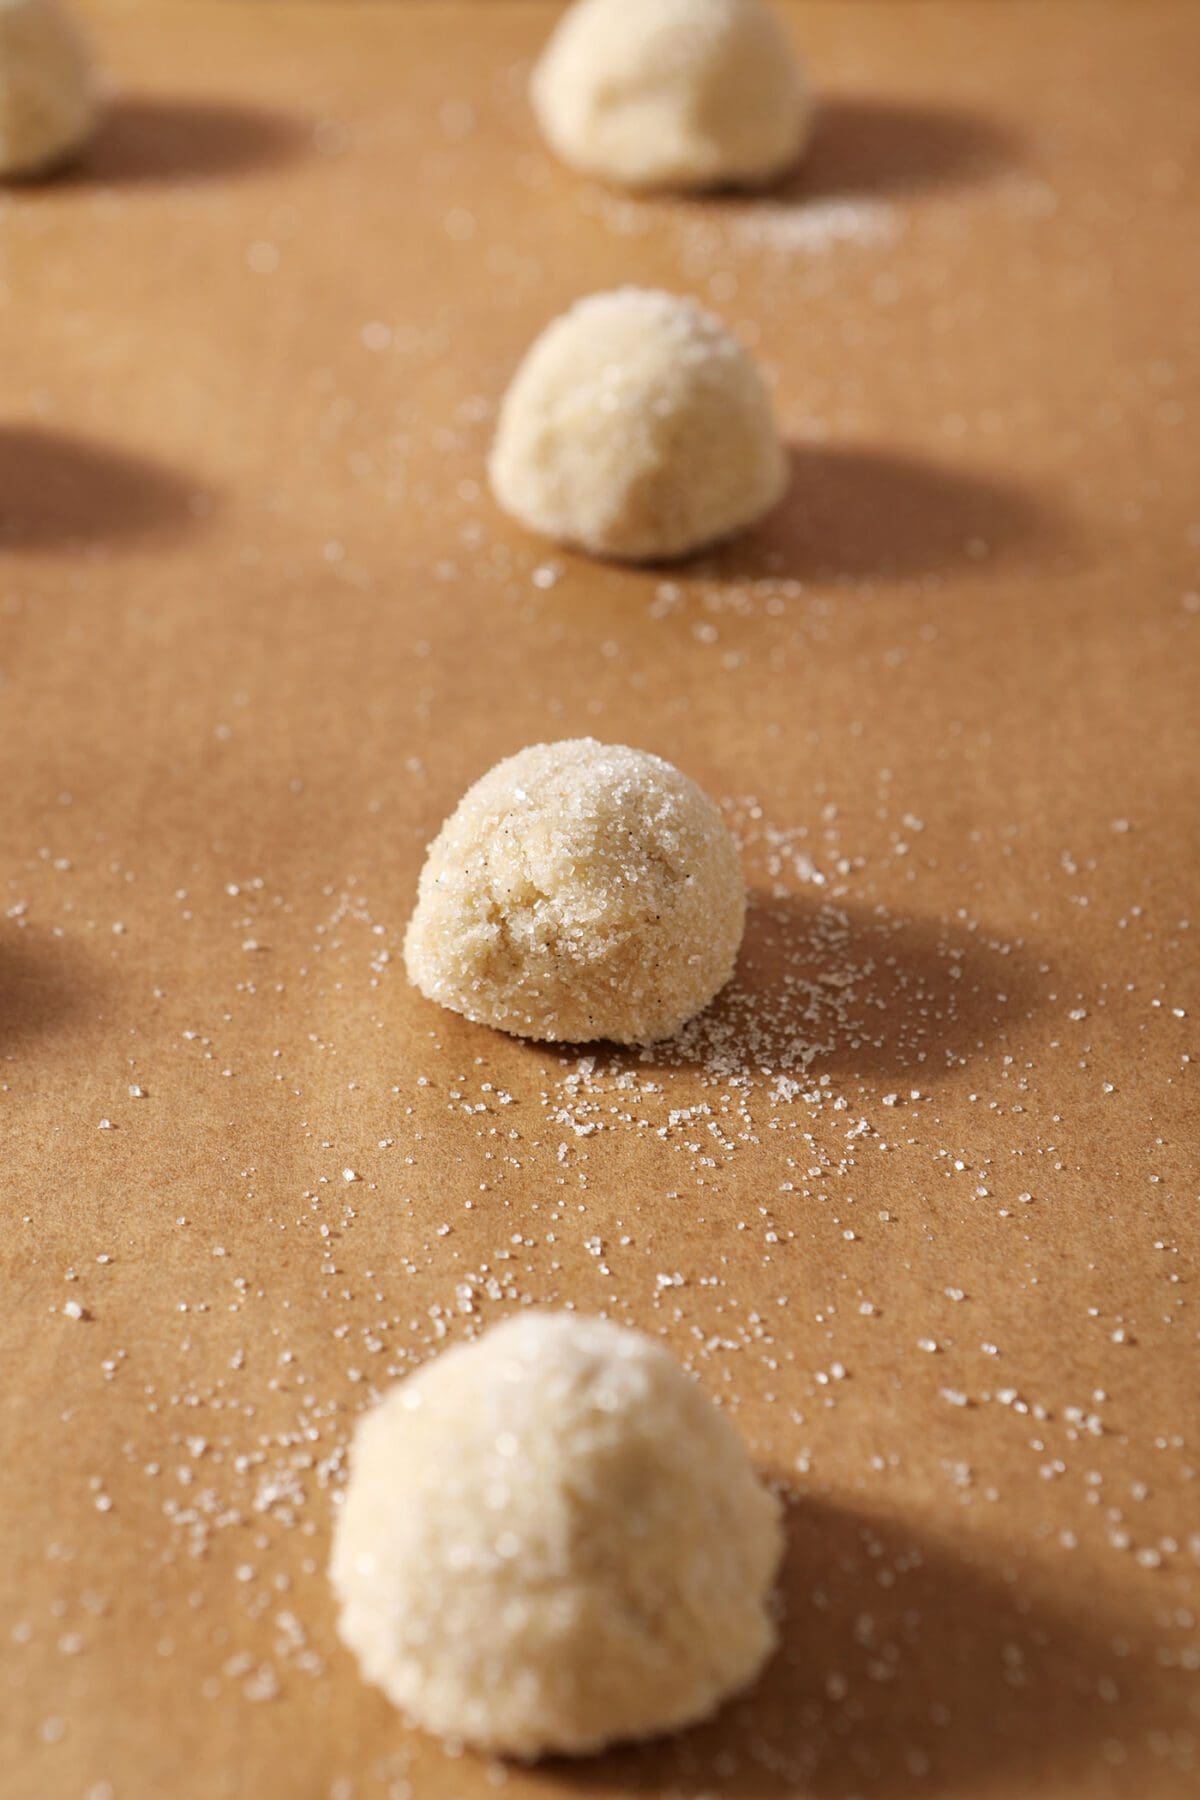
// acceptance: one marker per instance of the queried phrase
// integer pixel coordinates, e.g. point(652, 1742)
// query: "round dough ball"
point(579, 891)
point(552, 1540)
point(672, 93)
point(638, 428)
point(47, 99)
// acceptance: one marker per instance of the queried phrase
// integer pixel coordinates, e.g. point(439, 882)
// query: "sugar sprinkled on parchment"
point(833, 1043)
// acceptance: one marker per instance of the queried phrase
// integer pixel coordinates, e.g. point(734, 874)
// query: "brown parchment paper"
point(916, 1202)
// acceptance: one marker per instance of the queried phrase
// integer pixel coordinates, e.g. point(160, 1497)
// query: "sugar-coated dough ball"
point(47, 99)
point(578, 891)
point(552, 1540)
point(672, 93)
point(638, 428)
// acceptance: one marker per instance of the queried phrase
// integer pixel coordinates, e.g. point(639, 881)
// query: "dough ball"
point(639, 428)
point(47, 100)
point(552, 1540)
point(672, 93)
point(578, 891)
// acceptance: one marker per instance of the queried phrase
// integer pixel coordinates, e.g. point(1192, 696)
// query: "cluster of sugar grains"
point(681, 94)
point(551, 1540)
point(47, 95)
point(579, 891)
point(638, 428)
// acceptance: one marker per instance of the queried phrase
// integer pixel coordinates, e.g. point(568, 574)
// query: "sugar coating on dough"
point(672, 93)
point(578, 891)
point(47, 97)
point(638, 428)
point(552, 1540)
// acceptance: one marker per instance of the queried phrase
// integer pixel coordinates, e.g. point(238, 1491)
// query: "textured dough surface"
point(47, 101)
point(552, 1540)
point(578, 891)
point(672, 93)
point(639, 428)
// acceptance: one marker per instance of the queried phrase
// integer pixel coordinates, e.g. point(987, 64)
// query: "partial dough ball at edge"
point(637, 427)
point(673, 94)
point(579, 891)
point(48, 102)
point(552, 1540)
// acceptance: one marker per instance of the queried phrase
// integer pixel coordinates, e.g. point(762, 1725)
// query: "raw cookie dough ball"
point(551, 1540)
point(672, 93)
point(639, 428)
point(578, 891)
point(47, 100)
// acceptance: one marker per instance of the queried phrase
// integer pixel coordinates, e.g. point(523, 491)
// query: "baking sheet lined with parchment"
point(914, 1200)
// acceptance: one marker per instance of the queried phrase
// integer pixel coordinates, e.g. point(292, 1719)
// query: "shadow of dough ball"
point(47, 95)
point(676, 94)
point(637, 427)
point(551, 1540)
point(579, 891)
